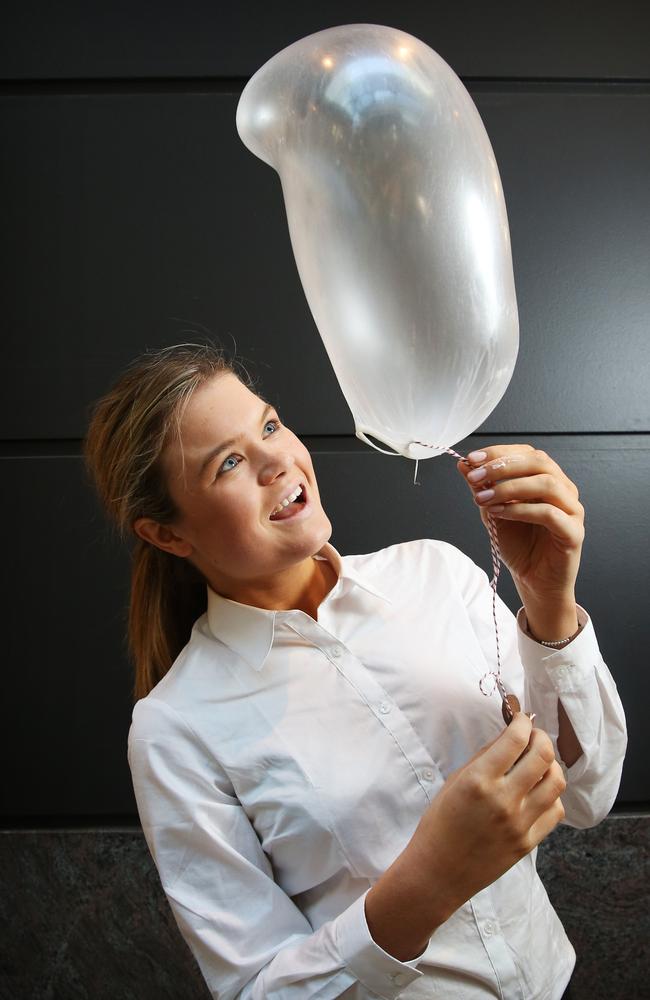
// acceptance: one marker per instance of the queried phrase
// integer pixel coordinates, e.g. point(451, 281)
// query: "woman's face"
point(225, 495)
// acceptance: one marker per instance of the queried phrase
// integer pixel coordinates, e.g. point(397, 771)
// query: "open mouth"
point(293, 509)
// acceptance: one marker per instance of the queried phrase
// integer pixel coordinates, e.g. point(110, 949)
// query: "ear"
point(162, 536)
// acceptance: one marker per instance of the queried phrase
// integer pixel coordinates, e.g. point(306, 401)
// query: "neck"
point(317, 578)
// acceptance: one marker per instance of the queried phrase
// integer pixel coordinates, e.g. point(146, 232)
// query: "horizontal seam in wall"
point(72, 447)
point(235, 84)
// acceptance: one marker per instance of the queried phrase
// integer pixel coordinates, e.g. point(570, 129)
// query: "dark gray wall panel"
point(68, 685)
point(67, 692)
point(135, 221)
point(129, 221)
point(575, 170)
point(75, 39)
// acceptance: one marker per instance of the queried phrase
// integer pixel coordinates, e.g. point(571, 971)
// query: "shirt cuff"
point(383, 974)
point(566, 669)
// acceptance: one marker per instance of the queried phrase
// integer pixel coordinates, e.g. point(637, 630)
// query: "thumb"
point(487, 746)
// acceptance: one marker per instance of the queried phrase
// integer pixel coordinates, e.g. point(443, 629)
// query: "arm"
point(249, 939)
point(488, 814)
point(553, 624)
point(574, 682)
point(575, 677)
point(540, 536)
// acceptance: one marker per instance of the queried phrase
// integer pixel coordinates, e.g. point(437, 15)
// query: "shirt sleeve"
point(576, 674)
point(249, 939)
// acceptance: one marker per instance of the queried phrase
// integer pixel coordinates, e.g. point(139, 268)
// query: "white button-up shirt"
point(283, 763)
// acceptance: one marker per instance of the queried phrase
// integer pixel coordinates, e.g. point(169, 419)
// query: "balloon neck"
point(409, 450)
point(370, 436)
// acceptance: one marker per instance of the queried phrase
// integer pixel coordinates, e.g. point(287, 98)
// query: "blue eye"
point(276, 423)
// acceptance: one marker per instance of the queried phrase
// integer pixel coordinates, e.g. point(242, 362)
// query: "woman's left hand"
point(541, 529)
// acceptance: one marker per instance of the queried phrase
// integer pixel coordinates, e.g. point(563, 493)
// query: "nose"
point(278, 464)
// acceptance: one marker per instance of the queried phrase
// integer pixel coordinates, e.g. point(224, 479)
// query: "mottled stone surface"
point(84, 916)
point(599, 882)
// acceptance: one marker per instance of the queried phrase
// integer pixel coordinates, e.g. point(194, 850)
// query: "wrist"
point(546, 623)
point(403, 908)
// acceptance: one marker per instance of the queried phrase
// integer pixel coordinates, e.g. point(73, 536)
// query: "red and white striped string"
point(492, 679)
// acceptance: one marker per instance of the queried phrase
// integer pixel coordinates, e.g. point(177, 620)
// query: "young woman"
point(333, 807)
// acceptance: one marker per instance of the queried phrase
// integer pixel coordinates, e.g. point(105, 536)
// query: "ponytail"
point(166, 599)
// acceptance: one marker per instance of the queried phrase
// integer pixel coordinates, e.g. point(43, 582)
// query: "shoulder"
point(168, 708)
point(191, 676)
point(153, 719)
point(165, 749)
point(428, 569)
point(423, 554)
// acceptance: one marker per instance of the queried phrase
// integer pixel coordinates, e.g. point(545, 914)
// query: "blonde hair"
point(129, 428)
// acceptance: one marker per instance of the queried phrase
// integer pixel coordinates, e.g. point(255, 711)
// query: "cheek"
point(203, 516)
point(238, 509)
point(304, 457)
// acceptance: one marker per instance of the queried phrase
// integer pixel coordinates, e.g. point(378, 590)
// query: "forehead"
point(219, 409)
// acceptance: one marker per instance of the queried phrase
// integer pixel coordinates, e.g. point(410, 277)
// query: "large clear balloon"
point(398, 226)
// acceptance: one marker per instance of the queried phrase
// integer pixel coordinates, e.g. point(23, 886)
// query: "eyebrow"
point(230, 442)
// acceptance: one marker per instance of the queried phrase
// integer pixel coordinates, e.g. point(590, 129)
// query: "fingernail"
point(477, 456)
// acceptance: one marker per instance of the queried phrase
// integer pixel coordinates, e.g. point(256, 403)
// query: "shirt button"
point(336, 651)
point(489, 927)
point(384, 707)
point(427, 773)
point(398, 977)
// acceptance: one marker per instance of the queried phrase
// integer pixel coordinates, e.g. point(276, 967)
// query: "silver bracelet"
point(559, 642)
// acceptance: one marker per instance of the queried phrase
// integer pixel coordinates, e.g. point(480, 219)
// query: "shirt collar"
point(249, 630)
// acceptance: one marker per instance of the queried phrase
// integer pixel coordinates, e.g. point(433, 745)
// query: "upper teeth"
point(289, 499)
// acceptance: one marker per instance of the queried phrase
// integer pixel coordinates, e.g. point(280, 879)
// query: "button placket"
point(392, 718)
point(489, 929)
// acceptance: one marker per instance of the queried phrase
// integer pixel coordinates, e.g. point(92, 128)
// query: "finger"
point(498, 451)
point(542, 488)
point(533, 765)
point(501, 467)
point(567, 529)
point(501, 460)
point(545, 462)
point(542, 795)
point(490, 468)
point(502, 752)
point(483, 749)
point(546, 822)
point(486, 746)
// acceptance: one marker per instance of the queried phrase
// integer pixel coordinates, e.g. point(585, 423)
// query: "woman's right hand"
point(489, 813)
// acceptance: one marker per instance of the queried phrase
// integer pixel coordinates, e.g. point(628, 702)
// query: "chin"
point(321, 533)
point(327, 533)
